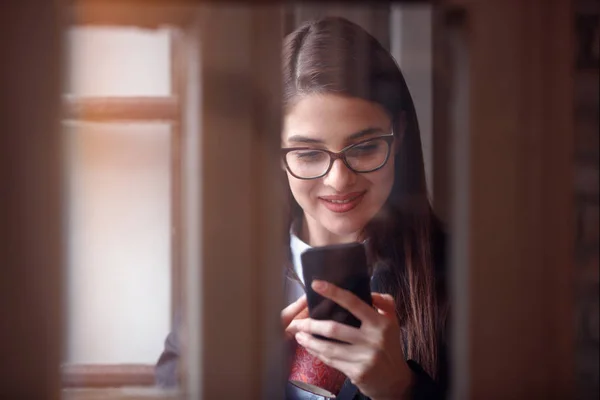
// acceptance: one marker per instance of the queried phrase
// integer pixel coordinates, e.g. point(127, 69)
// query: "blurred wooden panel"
point(109, 109)
point(128, 393)
point(140, 13)
point(102, 376)
point(233, 216)
point(31, 208)
point(513, 211)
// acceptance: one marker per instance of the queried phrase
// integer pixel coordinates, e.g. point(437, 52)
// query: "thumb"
point(293, 310)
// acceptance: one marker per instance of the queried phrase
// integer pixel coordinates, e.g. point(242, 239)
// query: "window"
point(121, 131)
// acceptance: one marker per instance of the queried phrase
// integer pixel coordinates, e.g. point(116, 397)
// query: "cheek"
point(301, 189)
point(382, 181)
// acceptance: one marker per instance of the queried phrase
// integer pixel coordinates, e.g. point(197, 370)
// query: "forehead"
point(332, 117)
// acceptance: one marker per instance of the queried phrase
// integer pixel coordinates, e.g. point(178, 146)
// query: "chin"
point(343, 226)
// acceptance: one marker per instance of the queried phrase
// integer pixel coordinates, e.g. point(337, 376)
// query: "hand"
point(373, 359)
point(295, 311)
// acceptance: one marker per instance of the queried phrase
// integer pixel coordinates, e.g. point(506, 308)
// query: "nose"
point(339, 176)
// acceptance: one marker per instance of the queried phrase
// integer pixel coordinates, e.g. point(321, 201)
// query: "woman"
point(352, 155)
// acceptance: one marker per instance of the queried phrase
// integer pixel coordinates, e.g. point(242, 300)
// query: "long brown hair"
point(333, 55)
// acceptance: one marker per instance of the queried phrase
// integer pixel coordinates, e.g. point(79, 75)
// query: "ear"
point(399, 133)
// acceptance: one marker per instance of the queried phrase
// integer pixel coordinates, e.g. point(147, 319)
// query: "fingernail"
point(319, 285)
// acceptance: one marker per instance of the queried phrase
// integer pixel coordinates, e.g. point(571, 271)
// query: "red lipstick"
point(342, 203)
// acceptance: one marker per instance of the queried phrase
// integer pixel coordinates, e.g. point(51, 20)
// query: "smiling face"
point(338, 205)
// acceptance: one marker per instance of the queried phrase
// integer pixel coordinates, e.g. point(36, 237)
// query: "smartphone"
point(345, 266)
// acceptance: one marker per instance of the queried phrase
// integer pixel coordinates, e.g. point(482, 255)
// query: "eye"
point(367, 147)
point(308, 154)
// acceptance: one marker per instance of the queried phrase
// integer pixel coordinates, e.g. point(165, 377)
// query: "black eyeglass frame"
point(340, 155)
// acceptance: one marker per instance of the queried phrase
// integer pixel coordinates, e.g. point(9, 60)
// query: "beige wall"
point(411, 45)
point(118, 303)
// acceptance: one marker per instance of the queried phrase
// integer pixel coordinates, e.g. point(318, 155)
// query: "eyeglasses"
point(366, 156)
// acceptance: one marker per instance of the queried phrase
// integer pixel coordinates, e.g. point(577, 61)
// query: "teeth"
point(340, 201)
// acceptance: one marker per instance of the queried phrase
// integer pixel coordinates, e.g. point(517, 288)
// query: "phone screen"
point(343, 265)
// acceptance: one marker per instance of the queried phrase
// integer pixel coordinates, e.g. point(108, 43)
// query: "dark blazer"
point(425, 387)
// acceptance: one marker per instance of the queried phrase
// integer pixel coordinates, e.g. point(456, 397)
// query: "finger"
point(349, 368)
point(293, 310)
point(302, 314)
point(329, 329)
point(347, 300)
point(291, 330)
point(329, 352)
point(355, 371)
point(333, 363)
point(354, 368)
point(384, 302)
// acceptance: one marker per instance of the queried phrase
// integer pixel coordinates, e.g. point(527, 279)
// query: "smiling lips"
point(342, 203)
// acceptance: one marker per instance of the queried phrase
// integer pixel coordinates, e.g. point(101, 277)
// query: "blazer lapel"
point(348, 391)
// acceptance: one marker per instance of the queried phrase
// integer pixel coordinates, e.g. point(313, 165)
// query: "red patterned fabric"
point(309, 369)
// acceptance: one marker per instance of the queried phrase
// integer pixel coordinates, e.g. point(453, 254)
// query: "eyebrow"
point(357, 135)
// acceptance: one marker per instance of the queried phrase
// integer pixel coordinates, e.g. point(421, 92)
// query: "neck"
point(315, 235)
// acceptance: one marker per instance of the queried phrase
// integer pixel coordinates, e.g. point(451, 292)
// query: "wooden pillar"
point(233, 216)
point(31, 212)
point(512, 213)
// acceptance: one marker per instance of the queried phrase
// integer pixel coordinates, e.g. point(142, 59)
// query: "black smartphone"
point(345, 266)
